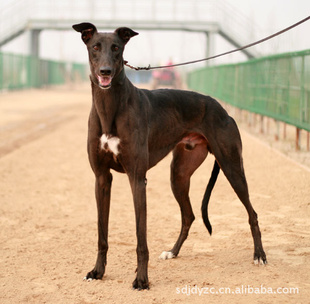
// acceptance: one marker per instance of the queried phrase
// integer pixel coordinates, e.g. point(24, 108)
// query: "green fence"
point(276, 86)
point(19, 72)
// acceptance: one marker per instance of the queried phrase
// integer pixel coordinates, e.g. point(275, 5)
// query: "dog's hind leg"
point(239, 184)
point(183, 165)
point(237, 180)
point(229, 156)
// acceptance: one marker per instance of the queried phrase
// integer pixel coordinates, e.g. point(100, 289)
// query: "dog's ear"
point(87, 29)
point(125, 33)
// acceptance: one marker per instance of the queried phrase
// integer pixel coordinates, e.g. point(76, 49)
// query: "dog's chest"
point(110, 143)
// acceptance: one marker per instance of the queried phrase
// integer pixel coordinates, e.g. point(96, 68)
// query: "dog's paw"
point(93, 275)
point(87, 279)
point(140, 284)
point(260, 258)
point(260, 261)
point(166, 255)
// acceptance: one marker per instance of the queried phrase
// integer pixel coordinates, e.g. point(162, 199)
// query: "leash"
point(219, 55)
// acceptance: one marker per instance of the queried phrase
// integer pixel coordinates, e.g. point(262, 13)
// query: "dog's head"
point(105, 51)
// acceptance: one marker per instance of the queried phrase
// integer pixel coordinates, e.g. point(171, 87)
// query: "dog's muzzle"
point(105, 82)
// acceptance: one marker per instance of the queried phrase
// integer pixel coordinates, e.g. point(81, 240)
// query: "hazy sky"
point(268, 16)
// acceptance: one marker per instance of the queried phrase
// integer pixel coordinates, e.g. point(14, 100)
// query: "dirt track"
point(48, 219)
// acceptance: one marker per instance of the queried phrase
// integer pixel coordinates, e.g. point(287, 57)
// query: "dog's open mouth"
point(105, 82)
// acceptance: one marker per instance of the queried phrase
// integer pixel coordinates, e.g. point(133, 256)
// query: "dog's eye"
point(96, 48)
point(115, 48)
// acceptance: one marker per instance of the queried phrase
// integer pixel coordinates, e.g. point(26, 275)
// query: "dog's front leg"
point(103, 195)
point(102, 190)
point(138, 187)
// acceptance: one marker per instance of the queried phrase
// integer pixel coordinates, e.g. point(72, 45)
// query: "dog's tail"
point(206, 198)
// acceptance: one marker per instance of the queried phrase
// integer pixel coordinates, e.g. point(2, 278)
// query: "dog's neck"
point(109, 101)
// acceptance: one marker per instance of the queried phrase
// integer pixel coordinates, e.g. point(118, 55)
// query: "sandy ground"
point(48, 216)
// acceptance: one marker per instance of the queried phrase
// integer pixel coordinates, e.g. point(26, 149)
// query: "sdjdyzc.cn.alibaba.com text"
point(241, 290)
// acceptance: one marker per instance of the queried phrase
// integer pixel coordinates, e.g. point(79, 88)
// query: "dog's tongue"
point(104, 81)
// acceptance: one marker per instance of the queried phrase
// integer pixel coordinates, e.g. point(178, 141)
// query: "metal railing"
point(21, 72)
point(275, 86)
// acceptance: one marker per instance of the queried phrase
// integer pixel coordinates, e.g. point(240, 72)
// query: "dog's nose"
point(105, 71)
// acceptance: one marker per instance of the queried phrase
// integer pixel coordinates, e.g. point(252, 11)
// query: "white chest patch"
point(110, 143)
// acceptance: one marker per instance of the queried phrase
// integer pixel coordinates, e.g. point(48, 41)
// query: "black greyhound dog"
point(130, 130)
